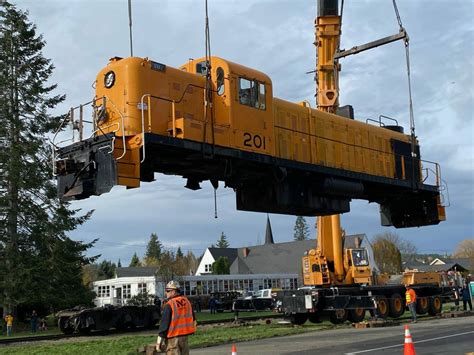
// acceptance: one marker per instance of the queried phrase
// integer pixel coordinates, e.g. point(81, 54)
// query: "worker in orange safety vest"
point(410, 297)
point(177, 322)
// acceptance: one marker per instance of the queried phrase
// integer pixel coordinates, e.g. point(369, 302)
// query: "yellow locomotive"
point(279, 156)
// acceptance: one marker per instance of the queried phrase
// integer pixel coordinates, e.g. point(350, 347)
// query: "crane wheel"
point(436, 305)
point(299, 318)
point(357, 315)
point(314, 318)
point(397, 306)
point(382, 307)
point(339, 316)
point(422, 305)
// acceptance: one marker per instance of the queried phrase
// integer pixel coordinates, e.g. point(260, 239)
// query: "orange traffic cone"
point(234, 349)
point(409, 347)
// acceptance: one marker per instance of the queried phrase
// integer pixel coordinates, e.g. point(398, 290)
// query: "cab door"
point(252, 114)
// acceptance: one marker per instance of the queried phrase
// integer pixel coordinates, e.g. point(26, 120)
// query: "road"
point(439, 336)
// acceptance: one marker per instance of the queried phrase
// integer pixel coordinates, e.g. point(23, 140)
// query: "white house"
point(128, 282)
point(211, 255)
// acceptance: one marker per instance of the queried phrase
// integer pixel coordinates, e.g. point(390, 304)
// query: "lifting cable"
point(407, 55)
point(208, 106)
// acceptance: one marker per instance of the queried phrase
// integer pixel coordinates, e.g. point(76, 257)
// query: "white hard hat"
point(172, 285)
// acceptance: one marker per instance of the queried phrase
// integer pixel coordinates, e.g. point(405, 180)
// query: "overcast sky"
point(275, 37)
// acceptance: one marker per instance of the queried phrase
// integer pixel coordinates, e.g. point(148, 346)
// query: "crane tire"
point(422, 305)
point(397, 306)
point(339, 316)
point(314, 318)
point(299, 318)
point(436, 305)
point(357, 315)
point(383, 307)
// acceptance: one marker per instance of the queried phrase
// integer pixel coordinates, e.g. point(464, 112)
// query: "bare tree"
point(465, 249)
point(386, 254)
point(407, 249)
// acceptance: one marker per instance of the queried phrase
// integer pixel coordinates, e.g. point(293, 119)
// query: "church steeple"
point(268, 233)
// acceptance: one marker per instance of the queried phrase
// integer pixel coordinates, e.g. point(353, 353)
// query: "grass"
point(206, 316)
point(23, 330)
point(205, 336)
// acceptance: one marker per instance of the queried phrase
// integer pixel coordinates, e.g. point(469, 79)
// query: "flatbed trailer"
point(352, 302)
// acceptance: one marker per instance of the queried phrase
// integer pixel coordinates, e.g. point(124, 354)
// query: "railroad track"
point(30, 339)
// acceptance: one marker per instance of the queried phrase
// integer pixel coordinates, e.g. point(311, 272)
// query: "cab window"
point(220, 81)
point(252, 93)
point(360, 257)
point(201, 68)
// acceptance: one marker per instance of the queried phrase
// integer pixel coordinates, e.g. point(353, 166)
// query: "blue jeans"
point(412, 308)
point(9, 330)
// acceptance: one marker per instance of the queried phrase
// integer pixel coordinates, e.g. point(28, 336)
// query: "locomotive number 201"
point(255, 140)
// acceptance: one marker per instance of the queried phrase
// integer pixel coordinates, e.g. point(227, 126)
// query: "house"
point(128, 282)
point(211, 255)
point(465, 263)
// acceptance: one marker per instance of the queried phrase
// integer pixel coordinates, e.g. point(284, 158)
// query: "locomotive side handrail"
point(142, 107)
point(69, 117)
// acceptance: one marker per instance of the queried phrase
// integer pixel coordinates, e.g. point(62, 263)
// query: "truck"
point(339, 281)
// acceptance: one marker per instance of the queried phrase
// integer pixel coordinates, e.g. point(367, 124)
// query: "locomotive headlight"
point(109, 79)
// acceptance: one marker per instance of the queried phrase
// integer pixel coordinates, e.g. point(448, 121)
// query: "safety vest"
point(410, 296)
point(182, 322)
point(9, 320)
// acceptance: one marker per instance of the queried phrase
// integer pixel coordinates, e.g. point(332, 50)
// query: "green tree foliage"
point(221, 266)
point(119, 264)
point(222, 242)
point(301, 229)
point(387, 255)
point(141, 300)
point(179, 253)
point(106, 270)
point(39, 262)
point(154, 246)
point(135, 262)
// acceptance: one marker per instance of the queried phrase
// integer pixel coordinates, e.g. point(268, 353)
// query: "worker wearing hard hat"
point(177, 322)
point(410, 296)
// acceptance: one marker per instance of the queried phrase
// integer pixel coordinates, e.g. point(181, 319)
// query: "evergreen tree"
point(153, 248)
point(135, 262)
point(222, 242)
point(179, 253)
point(39, 262)
point(221, 266)
point(106, 270)
point(301, 229)
point(119, 264)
